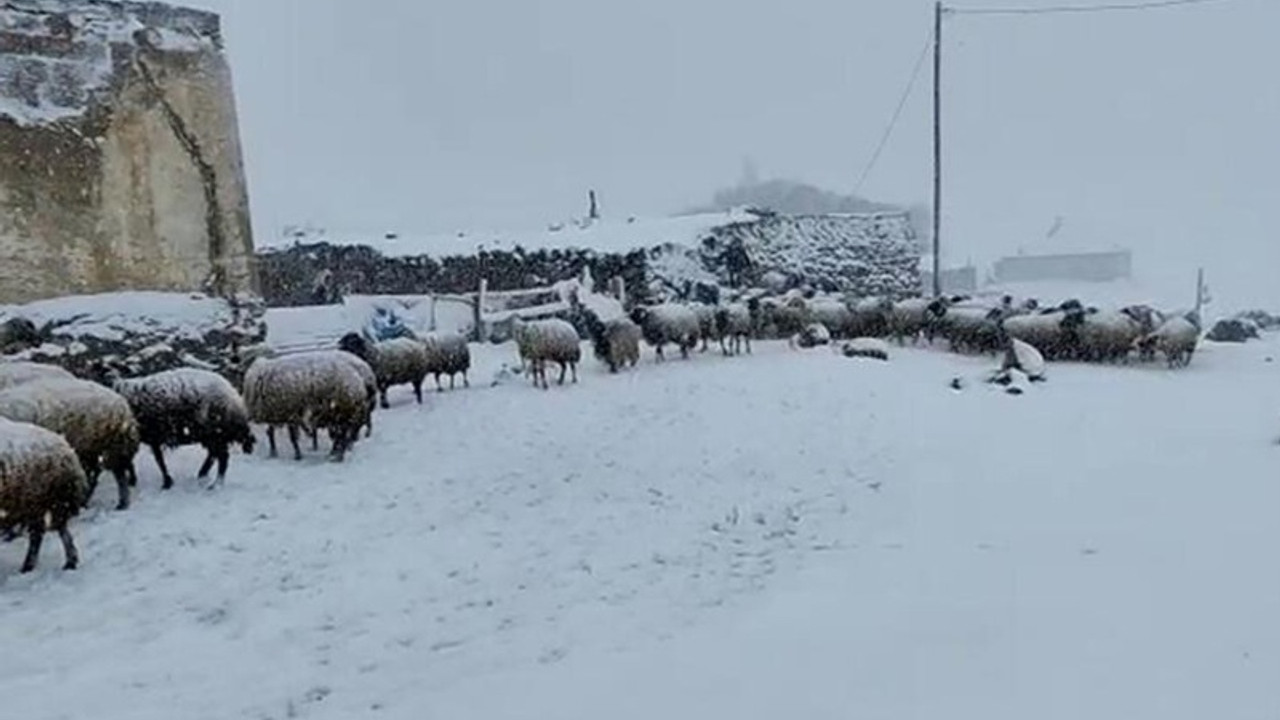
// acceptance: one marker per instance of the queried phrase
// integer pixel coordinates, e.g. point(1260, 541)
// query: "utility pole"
point(937, 147)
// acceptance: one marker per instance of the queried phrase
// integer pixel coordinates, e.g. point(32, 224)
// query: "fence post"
point(479, 310)
point(433, 313)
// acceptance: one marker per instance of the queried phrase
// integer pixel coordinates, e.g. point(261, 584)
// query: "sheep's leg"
point(417, 390)
point(71, 555)
point(382, 397)
point(271, 441)
point(158, 453)
point(658, 356)
point(573, 367)
point(563, 368)
point(293, 438)
point(315, 438)
point(207, 465)
point(35, 536)
point(224, 458)
point(439, 386)
point(122, 487)
point(465, 382)
point(747, 342)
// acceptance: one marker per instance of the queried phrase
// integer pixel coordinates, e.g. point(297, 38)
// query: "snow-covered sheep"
point(870, 317)
point(17, 373)
point(308, 392)
point(707, 329)
point(447, 354)
point(1101, 336)
point(909, 319)
point(834, 314)
point(971, 328)
point(1025, 358)
point(668, 323)
point(866, 347)
point(616, 343)
point(189, 406)
point(40, 478)
point(812, 335)
point(1044, 331)
point(96, 421)
point(783, 318)
point(1176, 339)
point(398, 361)
point(736, 323)
point(550, 340)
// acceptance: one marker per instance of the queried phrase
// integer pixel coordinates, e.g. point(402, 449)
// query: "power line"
point(897, 113)
point(1063, 9)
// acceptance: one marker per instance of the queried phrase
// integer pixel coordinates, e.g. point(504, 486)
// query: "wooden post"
point(937, 147)
point(594, 212)
point(479, 310)
point(1200, 294)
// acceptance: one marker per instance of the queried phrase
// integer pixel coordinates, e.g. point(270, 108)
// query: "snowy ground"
point(792, 534)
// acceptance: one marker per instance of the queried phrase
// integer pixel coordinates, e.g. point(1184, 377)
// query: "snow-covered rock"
point(129, 334)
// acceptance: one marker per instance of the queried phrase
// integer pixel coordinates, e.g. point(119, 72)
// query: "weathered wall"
point(120, 158)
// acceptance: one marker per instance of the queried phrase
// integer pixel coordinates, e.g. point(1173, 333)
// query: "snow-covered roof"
point(60, 54)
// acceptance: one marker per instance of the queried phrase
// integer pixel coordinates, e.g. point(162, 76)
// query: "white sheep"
point(447, 354)
point(1102, 336)
point(307, 392)
point(398, 361)
point(736, 323)
point(96, 421)
point(189, 406)
point(668, 323)
point(1176, 338)
point(17, 373)
point(40, 481)
point(834, 314)
point(707, 329)
point(1045, 332)
point(616, 342)
point(553, 340)
point(908, 319)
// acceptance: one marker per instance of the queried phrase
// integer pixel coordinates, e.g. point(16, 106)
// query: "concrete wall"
point(120, 158)
point(1088, 267)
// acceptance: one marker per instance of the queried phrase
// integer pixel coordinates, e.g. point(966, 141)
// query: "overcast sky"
point(1151, 129)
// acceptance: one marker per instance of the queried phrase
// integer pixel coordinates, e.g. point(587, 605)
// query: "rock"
point(1235, 330)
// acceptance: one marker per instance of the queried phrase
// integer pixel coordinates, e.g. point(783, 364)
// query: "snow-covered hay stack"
point(116, 335)
point(120, 161)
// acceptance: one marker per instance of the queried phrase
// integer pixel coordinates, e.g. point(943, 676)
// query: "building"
point(1096, 266)
point(120, 157)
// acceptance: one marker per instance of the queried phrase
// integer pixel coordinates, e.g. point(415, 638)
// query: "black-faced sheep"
point(17, 373)
point(616, 343)
point(550, 340)
point(447, 354)
point(399, 361)
point(40, 478)
point(666, 324)
point(736, 323)
point(189, 406)
point(866, 347)
point(17, 334)
point(307, 392)
point(1101, 336)
point(781, 318)
point(97, 422)
point(971, 329)
point(1044, 331)
point(1176, 339)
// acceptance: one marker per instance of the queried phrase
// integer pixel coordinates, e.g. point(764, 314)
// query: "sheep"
point(783, 319)
point(1025, 358)
point(736, 323)
point(17, 334)
point(971, 328)
point(447, 354)
point(870, 317)
point(909, 319)
point(40, 477)
point(1101, 336)
point(668, 323)
point(189, 406)
point(370, 380)
point(308, 391)
point(17, 373)
point(553, 339)
point(811, 336)
point(707, 328)
point(97, 422)
point(1044, 331)
point(1176, 338)
point(834, 314)
point(616, 343)
point(866, 347)
point(398, 361)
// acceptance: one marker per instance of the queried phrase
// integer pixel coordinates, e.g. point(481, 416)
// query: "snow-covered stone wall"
point(666, 258)
point(120, 159)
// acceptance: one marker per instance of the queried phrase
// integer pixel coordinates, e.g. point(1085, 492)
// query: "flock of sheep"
point(59, 432)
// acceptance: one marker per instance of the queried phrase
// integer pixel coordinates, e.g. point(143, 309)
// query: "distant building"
point(1099, 266)
point(961, 280)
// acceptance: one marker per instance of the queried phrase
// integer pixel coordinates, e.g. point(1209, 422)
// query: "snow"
point(606, 235)
point(786, 534)
point(112, 316)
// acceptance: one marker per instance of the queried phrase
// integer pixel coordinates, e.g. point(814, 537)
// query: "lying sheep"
point(97, 422)
point(866, 347)
point(668, 323)
point(17, 373)
point(40, 478)
point(399, 361)
point(616, 343)
point(309, 392)
point(1176, 339)
point(553, 340)
point(1024, 358)
point(447, 354)
point(811, 336)
point(736, 322)
point(189, 406)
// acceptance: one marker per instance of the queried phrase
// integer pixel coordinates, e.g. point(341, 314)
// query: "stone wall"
point(120, 158)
